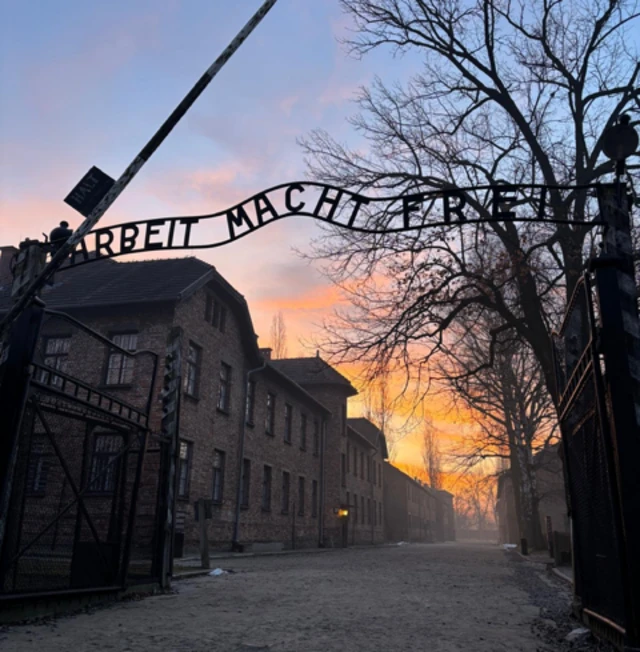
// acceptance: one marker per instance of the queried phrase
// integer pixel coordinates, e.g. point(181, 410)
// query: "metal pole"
point(617, 298)
point(135, 166)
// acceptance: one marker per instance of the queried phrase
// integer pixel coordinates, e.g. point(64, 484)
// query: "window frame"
point(189, 448)
point(288, 423)
point(343, 470)
point(250, 407)
point(266, 497)
point(270, 417)
point(245, 485)
point(124, 367)
point(223, 403)
point(316, 436)
point(285, 492)
point(196, 367)
point(38, 465)
point(314, 498)
point(303, 431)
point(58, 356)
point(218, 472)
point(113, 476)
point(301, 494)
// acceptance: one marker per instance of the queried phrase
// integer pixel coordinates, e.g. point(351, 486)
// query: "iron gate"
point(593, 499)
point(83, 507)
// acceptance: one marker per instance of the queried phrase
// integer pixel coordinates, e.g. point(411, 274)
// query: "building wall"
point(362, 491)
point(210, 429)
point(334, 398)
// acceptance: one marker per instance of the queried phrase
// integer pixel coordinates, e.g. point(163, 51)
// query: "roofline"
point(427, 488)
point(361, 436)
point(297, 387)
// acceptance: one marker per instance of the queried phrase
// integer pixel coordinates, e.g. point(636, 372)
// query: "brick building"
point(267, 442)
point(362, 482)
point(410, 507)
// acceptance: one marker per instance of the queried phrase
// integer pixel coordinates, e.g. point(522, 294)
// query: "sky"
point(88, 83)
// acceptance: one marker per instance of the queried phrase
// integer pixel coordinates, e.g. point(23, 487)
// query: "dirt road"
point(434, 598)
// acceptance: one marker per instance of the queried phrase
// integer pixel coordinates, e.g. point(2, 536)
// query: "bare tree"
point(379, 406)
point(475, 501)
point(514, 414)
point(516, 91)
point(431, 455)
point(278, 336)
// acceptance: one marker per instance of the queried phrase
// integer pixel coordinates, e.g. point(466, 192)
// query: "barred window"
point(104, 468)
point(119, 365)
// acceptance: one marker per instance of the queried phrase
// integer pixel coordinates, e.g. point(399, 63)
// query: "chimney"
point(266, 353)
point(6, 256)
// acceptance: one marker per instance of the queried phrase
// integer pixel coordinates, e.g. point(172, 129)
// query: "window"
point(375, 513)
point(286, 485)
point(348, 503)
point(266, 489)
point(368, 469)
point(38, 467)
point(218, 476)
point(348, 457)
point(56, 352)
point(362, 509)
point(251, 401)
point(355, 509)
point(314, 498)
point(271, 413)
point(380, 513)
point(184, 470)
point(119, 365)
point(288, 417)
point(300, 496)
point(219, 317)
point(316, 436)
point(224, 390)
point(192, 376)
point(368, 511)
point(355, 461)
point(215, 313)
point(103, 475)
point(245, 487)
point(343, 420)
point(380, 475)
point(303, 432)
point(343, 470)
point(375, 468)
point(362, 464)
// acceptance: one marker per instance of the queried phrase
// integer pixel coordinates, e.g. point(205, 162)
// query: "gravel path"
point(435, 598)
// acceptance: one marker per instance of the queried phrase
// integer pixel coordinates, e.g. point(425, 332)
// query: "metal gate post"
point(14, 386)
point(617, 298)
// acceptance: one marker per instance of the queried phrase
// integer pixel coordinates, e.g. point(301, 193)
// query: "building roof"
point(371, 433)
point(107, 283)
point(313, 371)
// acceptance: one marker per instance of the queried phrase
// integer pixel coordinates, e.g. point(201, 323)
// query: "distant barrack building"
point(267, 443)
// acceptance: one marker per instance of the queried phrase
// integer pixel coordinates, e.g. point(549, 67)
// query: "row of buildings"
point(266, 443)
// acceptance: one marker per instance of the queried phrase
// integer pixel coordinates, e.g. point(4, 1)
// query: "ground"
point(429, 597)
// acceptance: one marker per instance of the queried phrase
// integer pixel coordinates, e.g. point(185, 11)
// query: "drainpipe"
point(235, 544)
